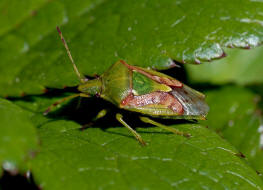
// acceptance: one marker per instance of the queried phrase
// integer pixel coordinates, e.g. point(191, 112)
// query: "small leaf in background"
point(18, 139)
point(240, 66)
point(144, 33)
point(234, 114)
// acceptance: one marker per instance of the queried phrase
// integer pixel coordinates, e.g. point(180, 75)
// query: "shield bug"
point(141, 90)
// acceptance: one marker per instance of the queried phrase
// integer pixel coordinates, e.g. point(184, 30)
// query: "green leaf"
point(107, 155)
point(238, 120)
point(241, 67)
point(20, 46)
point(92, 159)
point(11, 9)
point(144, 33)
point(18, 139)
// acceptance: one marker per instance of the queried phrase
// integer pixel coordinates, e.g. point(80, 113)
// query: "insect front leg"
point(135, 134)
point(64, 100)
point(175, 131)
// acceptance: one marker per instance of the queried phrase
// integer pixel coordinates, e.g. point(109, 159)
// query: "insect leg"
point(101, 114)
point(135, 134)
point(175, 131)
point(64, 100)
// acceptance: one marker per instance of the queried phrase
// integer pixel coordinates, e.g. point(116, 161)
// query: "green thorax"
point(116, 83)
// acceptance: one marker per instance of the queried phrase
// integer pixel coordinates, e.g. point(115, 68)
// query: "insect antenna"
point(81, 78)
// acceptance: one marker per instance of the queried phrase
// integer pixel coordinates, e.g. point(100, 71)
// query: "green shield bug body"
point(144, 91)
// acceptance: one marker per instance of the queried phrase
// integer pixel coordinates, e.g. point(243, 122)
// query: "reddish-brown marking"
point(162, 80)
point(242, 155)
point(128, 99)
point(96, 76)
point(33, 13)
point(45, 90)
point(154, 98)
point(22, 94)
point(223, 55)
point(247, 47)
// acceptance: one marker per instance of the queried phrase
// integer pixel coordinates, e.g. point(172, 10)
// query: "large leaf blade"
point(71, 158)
point(129, 30)
point(18, 138)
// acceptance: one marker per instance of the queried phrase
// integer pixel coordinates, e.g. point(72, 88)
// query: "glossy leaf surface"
point(144, 33)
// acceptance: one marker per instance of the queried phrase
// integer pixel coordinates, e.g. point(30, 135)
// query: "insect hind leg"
point(119, 117)
point(173, 130)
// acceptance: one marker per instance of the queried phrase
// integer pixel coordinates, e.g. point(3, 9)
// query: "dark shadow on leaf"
point(178, 72)
point(17, 181)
